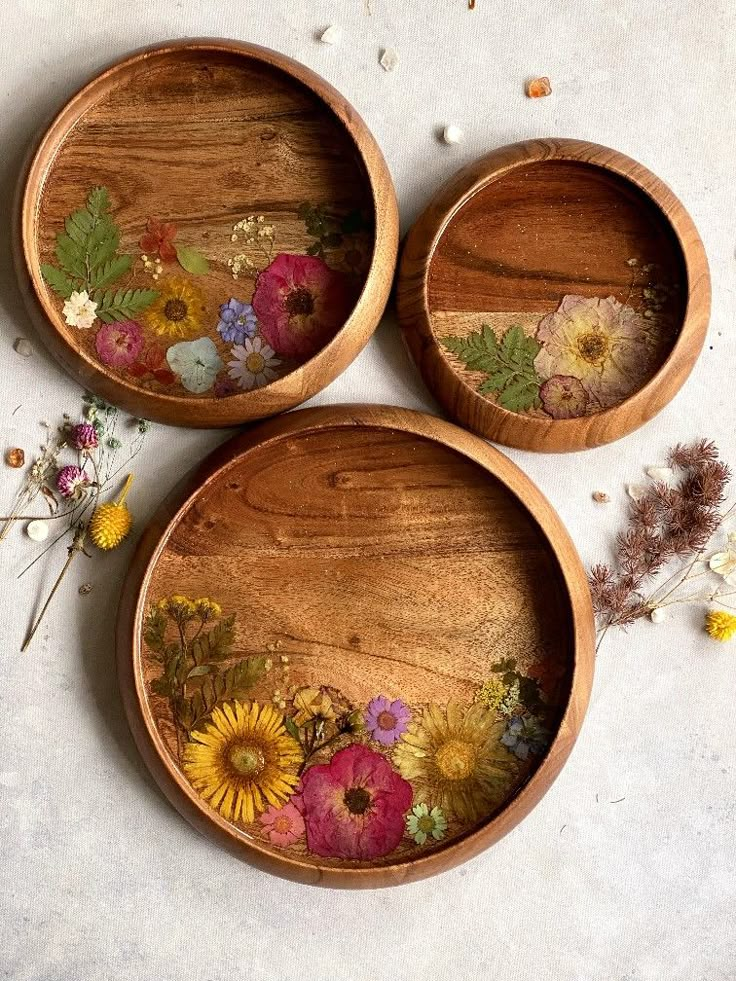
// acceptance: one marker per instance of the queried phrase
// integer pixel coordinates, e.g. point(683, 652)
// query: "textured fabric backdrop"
point(99, 877)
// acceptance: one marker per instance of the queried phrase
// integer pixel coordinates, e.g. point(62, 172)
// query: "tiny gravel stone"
point(452, 134)
point(85, 588)
point(389, 60)
point(15, 457)
point(600, 497)
point(23, 347)
point(538, 88)
point(658, 615)
point(37, 531)
point(333, 35)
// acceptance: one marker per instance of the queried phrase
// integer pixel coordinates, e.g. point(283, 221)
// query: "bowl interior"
point(233, 236)
point(557, 290)
point(396, 605)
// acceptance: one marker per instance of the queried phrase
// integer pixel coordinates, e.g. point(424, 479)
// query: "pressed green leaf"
point(332, 239)
point(314, 249)
point(71, 256)
point(199, 670)
point(102, 244)
point(160, 686)
point(76, 230)
point(122, 305)
point(292, 728)
point(192, 260)
point(244, 675)
point(58, 280)
point(110, 271)
point(154, 630)
point(216, 644)
point(98, 201)
point(508, 365)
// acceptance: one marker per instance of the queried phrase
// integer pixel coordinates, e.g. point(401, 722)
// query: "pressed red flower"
point(119, 344)
point(354, 806)
point(153, 362)
point(158, 239)
point(301, 304)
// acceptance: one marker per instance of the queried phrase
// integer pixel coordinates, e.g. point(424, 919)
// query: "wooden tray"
point(374, 603)
point(231, 219)
point(555, 295)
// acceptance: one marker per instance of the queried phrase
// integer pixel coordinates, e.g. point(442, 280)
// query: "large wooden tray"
point(230, 221)
point(365, 616)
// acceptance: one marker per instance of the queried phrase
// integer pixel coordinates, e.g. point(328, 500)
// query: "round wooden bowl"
point(213, 195)
point(377, 604)
point(554, 295)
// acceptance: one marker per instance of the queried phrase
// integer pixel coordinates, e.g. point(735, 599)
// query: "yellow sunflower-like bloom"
point(720, 625)
point(177, 311)
point(243, 760)
point(454, 759)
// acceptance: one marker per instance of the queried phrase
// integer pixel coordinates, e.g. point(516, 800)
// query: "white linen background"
point(99, 877)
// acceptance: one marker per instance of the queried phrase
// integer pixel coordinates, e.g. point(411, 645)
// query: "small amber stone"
point(15, 457)
point(539, 87)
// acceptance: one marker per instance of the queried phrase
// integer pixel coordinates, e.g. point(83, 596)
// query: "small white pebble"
point(600, 497)
point(389, 60)
point(658, 615)
point(452, 135)
point(333, 35)
point(37, 531)
point(23, 347)
point(661, 474)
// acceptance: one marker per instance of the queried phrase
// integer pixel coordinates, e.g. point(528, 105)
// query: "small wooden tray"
point(373, 602)
point(555, 295)
point(232, 220)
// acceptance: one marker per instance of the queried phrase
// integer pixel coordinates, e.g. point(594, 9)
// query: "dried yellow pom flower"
point(111, 522)
point(207, 608)
point(720, 625)
point(491, 693)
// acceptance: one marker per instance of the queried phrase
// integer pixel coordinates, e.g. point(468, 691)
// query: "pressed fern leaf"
point(87, 250)
point(123, 304)
point(508, 363)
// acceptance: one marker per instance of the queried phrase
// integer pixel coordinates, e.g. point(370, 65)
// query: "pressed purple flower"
point(237, 321)
point(71, 480)
point(84, 436)
point(387, 720)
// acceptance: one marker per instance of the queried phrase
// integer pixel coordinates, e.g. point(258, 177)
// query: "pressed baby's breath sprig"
point(675, 518)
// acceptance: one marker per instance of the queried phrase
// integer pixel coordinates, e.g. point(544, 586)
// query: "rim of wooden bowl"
point(154, 541)
point(488, 419)
point(284, 393)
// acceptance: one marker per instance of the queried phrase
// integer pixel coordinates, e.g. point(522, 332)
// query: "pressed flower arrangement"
point(171, 295)
point(306, 768)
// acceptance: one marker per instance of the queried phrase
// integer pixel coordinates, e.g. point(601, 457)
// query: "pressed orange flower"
point(158, 239)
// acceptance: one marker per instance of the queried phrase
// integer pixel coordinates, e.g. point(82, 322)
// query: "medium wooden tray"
point(365, 616)
point(555, 295)
point(230, 218)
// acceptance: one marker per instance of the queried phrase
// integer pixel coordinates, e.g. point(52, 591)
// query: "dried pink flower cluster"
point(665, 523)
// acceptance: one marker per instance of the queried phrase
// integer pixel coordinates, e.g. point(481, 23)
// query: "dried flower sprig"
point(93, 444)
point(668, 521)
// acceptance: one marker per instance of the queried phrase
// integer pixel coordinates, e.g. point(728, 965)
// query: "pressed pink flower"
point(283, 825)
point(71, 481)
point(564, 397)
point(83, 436)
point(301, 304)
point(158, 239)
point(355, 805)
point(120, 343)
point(387, 720)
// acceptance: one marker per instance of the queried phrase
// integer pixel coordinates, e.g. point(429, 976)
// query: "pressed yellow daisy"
point(454, 759)
point(177, 311)
point(243, 760)
point(720, 625)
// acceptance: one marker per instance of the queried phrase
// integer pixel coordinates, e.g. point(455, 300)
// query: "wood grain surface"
point(518, 230)
point(379, 550)
point(203, 134)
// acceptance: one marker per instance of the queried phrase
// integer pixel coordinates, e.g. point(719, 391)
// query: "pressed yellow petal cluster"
point(243, 760)
point(491, 693)
point(720, 625)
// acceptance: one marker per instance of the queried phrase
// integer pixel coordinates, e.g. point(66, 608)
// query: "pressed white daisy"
point(79, 310)
point(253, 364)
